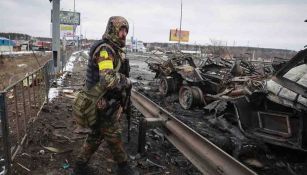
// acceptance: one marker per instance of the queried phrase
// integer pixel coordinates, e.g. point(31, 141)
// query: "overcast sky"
point(258, 23)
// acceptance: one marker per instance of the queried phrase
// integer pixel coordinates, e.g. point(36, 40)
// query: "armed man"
point(104, 98)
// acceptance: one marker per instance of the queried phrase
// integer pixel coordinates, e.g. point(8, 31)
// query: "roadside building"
point(6, 45)
point(24, 45)
point(42, 45)
point(135, 46)
point(140, 47)
point(129, 46)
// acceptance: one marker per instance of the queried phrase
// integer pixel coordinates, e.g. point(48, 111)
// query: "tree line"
point(15, 36)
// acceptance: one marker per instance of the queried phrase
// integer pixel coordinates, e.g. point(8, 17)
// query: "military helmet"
point(114, 25)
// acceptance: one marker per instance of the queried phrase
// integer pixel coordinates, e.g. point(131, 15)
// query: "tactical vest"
point(84, 106)
point(92, 72)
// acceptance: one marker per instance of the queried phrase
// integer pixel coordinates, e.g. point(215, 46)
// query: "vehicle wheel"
point(199, 99)
point(167, 86)
point(190, 97)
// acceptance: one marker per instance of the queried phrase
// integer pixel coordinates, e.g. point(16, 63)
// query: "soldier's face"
point(122, 34)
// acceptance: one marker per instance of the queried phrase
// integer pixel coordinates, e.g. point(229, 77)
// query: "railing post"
point(63, 57)
point(47, 80)
point(142, 136)
point(5, 133)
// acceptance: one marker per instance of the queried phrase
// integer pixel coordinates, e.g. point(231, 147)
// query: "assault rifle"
point(127, 110)
point(127, 106)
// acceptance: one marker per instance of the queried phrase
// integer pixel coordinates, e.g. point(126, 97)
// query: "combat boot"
point(125, 169)
point(82, 168)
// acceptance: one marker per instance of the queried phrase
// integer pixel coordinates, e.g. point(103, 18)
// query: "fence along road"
point(21, 103)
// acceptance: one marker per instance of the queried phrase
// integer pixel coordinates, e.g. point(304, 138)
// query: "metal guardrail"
point(204, 155)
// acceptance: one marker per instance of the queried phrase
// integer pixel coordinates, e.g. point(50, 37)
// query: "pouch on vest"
point(84, 106)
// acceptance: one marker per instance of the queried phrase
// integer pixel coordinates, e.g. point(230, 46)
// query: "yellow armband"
point(106, 64)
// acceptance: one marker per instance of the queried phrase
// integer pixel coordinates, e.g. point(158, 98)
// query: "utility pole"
point(132, 39)
point(80, 36)
point(74, 28)
point(10, 44)
point(56, 34)
point(180, 24)
point(132, 35)
point(305, 21)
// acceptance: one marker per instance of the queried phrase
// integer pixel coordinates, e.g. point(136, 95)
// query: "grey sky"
point(263, 23)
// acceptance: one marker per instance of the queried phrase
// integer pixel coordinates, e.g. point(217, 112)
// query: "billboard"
point(71, 18)
point(68, 17)
point(66, 30)
point(175, 34)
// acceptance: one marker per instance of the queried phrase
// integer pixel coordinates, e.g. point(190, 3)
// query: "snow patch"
point(70, 63)
point(22, 52)
point(22, 65)
point(53, 92)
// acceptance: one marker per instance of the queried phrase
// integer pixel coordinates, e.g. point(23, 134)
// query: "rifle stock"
point(127, 108)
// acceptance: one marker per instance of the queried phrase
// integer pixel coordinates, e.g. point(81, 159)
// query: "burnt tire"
point(191, 96)
point(167, 86)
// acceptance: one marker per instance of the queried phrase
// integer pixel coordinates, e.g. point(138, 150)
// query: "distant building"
point(6, 45)
point(128, 45)
point(24, 45)
point(135, 46)
point(140, 47)
point(42, 45)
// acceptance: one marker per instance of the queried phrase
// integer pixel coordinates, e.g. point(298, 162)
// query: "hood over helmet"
point(114, 25)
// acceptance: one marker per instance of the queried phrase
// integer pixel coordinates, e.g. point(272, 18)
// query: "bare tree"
point(216, 48)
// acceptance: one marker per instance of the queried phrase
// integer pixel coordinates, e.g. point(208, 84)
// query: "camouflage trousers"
point(109, 129)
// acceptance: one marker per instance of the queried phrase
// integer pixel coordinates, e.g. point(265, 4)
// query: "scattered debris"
point(41, 152)
point(56, 150)
point(66, 165)
point(155, 164)
point(52, 149)
point(22, 166)
point(254, 162)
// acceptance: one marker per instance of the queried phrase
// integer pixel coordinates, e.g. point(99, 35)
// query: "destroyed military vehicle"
point(277, 114)
point(198, 85)
point(180, 74)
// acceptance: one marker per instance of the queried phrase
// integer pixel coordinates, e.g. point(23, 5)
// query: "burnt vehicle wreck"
point(198, 85)
point(277, 114)
point(180, 74)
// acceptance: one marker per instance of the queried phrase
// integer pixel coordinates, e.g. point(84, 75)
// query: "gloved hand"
point(102, 104)
point(124, 83)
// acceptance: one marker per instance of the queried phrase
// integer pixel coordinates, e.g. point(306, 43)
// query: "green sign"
point(69, 18)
